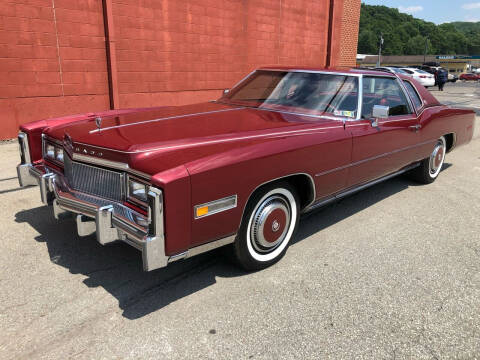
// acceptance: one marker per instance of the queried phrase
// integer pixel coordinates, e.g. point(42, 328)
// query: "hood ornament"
point(67, 142)
point(98, 121)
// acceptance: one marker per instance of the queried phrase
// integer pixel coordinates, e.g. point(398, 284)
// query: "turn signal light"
point(216, 206)
point(202, 211)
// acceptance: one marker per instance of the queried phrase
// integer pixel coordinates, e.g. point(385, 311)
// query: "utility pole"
point(425, 53)
point(379, 61)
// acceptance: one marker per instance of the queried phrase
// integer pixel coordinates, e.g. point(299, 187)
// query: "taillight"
point(422, 76)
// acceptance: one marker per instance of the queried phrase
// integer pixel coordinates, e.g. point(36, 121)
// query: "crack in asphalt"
point(151, 290)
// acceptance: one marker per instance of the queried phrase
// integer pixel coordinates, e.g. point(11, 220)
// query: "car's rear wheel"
point(268, 225)
point(430, 167)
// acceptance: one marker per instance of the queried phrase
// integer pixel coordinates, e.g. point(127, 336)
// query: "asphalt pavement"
point(392, 272)
point(462, 94)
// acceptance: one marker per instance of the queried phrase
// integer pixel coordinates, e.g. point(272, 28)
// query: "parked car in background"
point(426, 68)
point(423, 77)
point(469, 77)
point(391, 69)
point(433, 70)
point(176, 181)
point(452, 78)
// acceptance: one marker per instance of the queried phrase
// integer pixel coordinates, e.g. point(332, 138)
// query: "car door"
point(380, 150)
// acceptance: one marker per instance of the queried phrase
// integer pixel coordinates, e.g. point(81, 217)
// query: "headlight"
point(50, 151)
point(59, 154)
point(137, 190)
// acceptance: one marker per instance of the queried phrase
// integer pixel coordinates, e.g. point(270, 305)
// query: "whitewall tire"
point(430, 167)
point(269, 223)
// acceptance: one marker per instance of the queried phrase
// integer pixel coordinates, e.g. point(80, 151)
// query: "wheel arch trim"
point(312, 188)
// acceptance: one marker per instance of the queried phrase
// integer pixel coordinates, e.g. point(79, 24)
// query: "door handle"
point(415, 127)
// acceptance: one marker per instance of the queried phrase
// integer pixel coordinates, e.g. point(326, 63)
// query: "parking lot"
point(391, 272)
point(461, 93)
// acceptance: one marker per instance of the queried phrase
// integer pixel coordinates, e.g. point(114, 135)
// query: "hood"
point(173, 136)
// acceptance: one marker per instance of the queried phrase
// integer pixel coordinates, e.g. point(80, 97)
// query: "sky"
point(436, 11)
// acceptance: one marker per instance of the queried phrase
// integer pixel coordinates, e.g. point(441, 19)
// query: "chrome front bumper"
point(109, 219)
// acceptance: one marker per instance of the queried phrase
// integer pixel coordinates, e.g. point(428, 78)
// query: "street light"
point(425, 53)
point(380, 50)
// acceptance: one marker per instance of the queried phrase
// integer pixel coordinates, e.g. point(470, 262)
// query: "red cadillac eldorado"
point(174, 182)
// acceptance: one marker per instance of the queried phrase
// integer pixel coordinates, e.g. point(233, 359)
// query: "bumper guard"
point(110, 220)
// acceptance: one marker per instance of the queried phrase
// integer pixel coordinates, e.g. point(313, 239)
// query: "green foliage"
point(405, 35)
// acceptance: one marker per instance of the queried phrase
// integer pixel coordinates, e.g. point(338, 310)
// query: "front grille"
point(94, 180)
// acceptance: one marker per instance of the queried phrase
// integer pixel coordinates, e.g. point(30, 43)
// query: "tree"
point(415, 46)
point(405, 35)
point(367, 42)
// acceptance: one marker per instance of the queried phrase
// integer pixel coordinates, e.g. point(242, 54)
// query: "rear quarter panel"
point(441, 120)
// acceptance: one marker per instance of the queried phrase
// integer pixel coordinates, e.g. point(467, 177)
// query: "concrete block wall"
point(54, 54)
point(181, 52)
point(52, 60)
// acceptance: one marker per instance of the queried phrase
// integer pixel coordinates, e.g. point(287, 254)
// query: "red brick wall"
point(185, 51)
point(349, 33)
point(53, 58)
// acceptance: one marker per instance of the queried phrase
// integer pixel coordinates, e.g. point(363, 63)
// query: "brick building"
point(62, 57)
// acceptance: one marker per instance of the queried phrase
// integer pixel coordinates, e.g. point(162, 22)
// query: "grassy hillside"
point(406, 35)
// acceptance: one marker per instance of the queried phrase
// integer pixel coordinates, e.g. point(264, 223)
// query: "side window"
point(413, 94)
point(384, 91)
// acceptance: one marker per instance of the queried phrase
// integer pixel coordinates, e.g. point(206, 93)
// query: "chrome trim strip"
point(407, 96)
point(209, 142)
point(425, 108)
point(216, 202)
point(418, 94)
point(160, 119)
point(313, 72)
point(357, 188)
point(360, 98)
point(55, 141)
point(24, 148)
point(243, 79)
point(314, 193)
point(133, 199)
point(373, 158)
point(203, 248)
point(328, 117)
point(109, 164)
point(155, 257)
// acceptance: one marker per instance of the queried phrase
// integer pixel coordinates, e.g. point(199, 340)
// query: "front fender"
point(178, 212)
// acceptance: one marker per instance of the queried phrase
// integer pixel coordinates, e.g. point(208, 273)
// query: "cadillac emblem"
point(98, 121)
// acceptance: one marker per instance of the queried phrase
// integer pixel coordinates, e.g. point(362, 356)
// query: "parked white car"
point(393, 70)
point(423, 77)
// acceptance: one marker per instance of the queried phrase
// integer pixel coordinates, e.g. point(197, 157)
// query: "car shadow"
point(8, 178)
point(117, 267)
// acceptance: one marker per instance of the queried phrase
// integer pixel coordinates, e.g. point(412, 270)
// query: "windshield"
point(310, 93)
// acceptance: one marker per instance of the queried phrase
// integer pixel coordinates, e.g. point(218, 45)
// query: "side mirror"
point(379, 112)
point(226, 91)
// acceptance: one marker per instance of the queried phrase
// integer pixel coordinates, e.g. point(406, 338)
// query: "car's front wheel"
point(268, 225)
point(430, 167)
